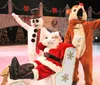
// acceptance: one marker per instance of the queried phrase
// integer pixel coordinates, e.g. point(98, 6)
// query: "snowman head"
point(37, 23)
point(36, 19)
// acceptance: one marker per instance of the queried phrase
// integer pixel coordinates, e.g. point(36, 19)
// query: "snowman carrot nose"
point(34, 24)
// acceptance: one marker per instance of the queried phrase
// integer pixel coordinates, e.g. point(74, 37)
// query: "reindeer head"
point(77, 12)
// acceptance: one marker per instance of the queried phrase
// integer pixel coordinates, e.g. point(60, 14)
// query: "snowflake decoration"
point(65, 77)
point(70, 55)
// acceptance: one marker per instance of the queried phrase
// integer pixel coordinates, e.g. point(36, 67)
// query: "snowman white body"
point(30, 29)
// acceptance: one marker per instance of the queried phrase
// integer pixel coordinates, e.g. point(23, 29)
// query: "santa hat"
point(35, 13)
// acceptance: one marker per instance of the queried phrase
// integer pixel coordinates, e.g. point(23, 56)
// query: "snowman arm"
point(47, 32)
point(20, 22)
point(44, 33)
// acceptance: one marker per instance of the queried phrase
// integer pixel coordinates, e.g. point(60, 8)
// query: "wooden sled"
point(65, 77)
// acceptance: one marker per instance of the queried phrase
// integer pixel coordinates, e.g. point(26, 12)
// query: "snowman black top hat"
point(35, 13)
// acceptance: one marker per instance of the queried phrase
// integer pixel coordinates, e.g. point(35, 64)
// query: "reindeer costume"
point(80, 34)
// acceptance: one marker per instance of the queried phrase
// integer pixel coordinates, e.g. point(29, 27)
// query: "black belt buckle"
point(47, 55)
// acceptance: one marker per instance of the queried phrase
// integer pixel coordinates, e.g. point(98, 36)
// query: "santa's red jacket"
point(51, 62)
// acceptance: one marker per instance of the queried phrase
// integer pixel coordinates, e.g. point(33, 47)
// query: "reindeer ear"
point(68, 11)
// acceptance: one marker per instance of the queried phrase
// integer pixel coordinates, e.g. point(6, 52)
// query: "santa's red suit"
point(51, 62)
point(47, 64)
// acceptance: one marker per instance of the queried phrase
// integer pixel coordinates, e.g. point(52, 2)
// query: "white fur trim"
point(49, 64)
point(36, 74)
point(12, 82)
point(35, 64)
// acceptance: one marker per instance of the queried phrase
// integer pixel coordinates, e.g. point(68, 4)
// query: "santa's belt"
point(52, 57)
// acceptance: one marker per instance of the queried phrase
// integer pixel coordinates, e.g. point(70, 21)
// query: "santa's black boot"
point(28, 66)
point(13, 68)
point(29, 75)
point(16, 70)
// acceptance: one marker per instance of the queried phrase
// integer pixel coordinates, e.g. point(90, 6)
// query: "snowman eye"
point(37, 20)
point(33, 21)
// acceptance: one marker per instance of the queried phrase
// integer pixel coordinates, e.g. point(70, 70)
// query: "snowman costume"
point(36, 24)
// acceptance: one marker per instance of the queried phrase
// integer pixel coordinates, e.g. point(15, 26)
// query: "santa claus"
point(46, 65)
point(36, 31)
